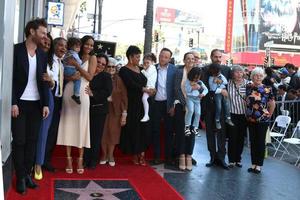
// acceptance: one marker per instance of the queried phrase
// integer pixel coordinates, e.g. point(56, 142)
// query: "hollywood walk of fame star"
point(100, 46)
point(93, 190)
point(161, 170)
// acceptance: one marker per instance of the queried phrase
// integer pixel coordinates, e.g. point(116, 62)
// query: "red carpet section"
point(146, 182)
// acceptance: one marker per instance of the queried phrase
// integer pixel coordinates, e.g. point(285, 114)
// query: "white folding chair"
point(295, 142)
point(278, 131)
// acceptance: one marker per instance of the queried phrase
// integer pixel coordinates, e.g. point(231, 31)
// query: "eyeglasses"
point(110, 66)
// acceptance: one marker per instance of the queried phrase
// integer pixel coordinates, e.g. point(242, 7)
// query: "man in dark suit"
point(216, 139)
point(163, 106)
point(29, 101)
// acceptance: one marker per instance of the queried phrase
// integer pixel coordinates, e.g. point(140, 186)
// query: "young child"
point(195, 91)
point(150, 72)
point(218, 82)
point(74, 45)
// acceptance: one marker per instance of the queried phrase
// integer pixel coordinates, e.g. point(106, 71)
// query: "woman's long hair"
point(83, 41)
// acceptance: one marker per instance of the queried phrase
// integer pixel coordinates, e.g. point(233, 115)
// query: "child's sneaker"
point(187, 131)
point(145, 118)
point(218, 124)
point(195, 131)
point(228, 121)
point(76, 99)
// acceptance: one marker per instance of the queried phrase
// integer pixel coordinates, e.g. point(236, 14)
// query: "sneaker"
point(187, 131)
point(145, 118)
point(218, 124)
point(76, 99)
point(229, 122)
point(195, 131)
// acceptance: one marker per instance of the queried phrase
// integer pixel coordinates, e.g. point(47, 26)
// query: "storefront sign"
point(55, 14)
point(282, 26)
point(228, 37)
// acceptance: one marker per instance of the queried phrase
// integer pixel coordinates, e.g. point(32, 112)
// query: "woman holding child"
point(74, 127)
point(185, 133)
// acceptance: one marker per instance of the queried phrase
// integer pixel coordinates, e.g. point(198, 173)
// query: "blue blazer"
point(20, 74)
point(170, 85)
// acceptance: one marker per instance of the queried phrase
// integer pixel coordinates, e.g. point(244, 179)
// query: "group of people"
point(64, 94)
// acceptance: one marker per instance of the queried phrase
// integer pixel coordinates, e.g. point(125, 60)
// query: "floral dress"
point(257, 102)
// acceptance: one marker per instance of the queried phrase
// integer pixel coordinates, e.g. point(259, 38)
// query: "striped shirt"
point(236, 95)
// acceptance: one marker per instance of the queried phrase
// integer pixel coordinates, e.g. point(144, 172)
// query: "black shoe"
point(156, 161)
point(210, 163)
point(238, 165)
point(93, 165)
point(223, 164)
point(48, 167)
point(250, 170)
point(29, 182)
point(21, 186)
point(169, 162)
point(194, 162)
point(256, 171)
point(76, 99)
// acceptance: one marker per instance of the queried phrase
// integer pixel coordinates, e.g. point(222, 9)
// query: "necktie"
point(60, 78)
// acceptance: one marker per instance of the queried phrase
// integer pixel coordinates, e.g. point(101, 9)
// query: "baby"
point(74, 45)
point(151, 74)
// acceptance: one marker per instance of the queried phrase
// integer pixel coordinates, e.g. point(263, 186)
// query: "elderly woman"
point(99, 90)
point(185, 144)
point(116, 118)
point(260, 107)
point(237, 94)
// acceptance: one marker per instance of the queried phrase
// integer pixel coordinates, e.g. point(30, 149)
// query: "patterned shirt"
point(257, 102)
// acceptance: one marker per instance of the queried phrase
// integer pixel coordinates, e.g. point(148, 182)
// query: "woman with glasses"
point(99, 89)
point(116, 117)
point(259, 109)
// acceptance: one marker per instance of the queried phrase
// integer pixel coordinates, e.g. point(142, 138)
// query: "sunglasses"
point(110, 66)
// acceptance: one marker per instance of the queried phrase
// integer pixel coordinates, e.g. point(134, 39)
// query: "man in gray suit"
point(216, 139)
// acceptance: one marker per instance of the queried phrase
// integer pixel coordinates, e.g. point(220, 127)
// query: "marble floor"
point(278, 180)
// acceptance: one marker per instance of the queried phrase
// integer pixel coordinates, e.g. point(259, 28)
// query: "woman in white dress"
point(74, 125)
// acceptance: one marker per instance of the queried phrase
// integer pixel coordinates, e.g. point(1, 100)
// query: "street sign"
point(55, 13)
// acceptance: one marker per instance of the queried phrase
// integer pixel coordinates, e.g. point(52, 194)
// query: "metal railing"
point(290, 108)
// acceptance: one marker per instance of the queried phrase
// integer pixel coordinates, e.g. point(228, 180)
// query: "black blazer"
point(101, 86)
point(20, 74)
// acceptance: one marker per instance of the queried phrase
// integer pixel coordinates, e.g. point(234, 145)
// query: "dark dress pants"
point(184, 144)
point(257, 133)
point(236, 137)
point(216, 139)
point(159, 111)
point(25, 130)
point(92, 154)
point(52, 134)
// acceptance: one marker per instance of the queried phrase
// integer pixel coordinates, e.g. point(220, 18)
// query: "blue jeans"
point(69, 71)
point(193, 107)
point(222, 101)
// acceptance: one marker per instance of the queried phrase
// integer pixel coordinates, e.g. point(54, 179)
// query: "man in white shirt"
point(30, 100)
point(163, 106)
point(60, 47)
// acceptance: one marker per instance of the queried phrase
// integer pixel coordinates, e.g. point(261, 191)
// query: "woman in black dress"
point(134, 136)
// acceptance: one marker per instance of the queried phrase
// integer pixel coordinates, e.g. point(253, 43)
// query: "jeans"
point(193, 107)
point(222, 101)
point(69, 71)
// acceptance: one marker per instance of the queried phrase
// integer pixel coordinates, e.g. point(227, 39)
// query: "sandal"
point(69, 168)
point(80, 168)
point(135, 160)
point(142, 160)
